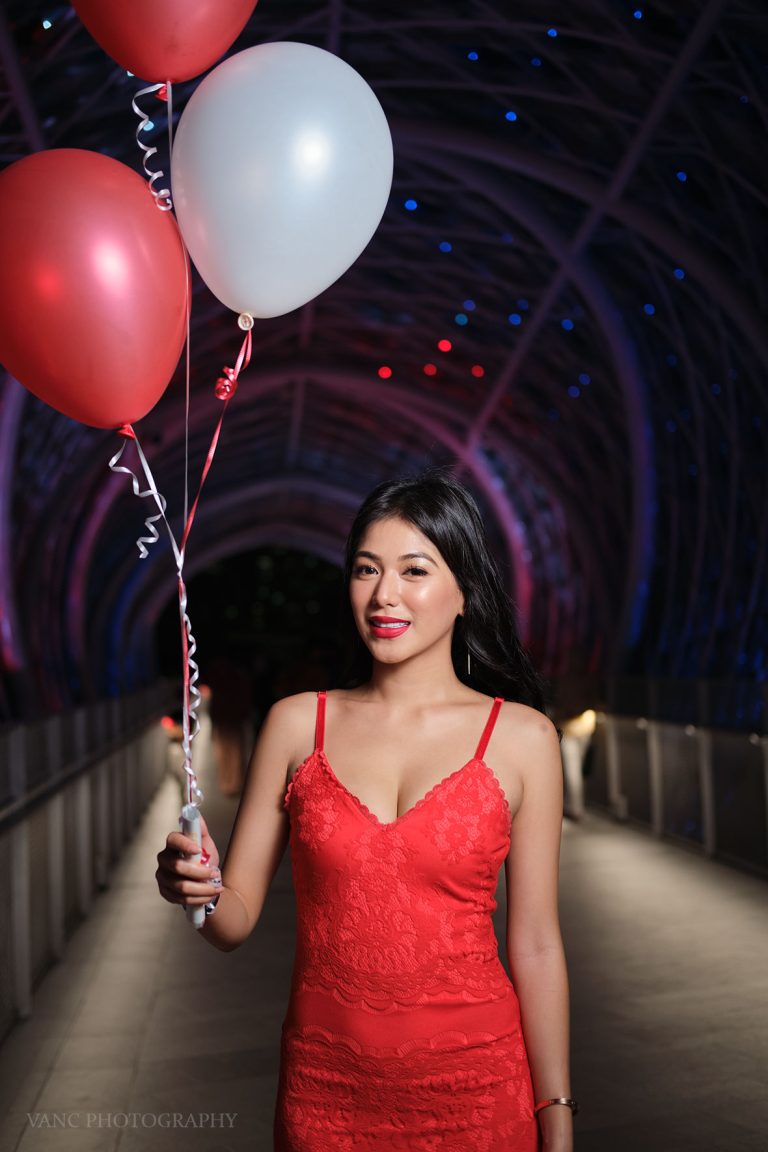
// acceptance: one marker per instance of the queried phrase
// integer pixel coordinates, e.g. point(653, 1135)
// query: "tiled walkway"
point(668, 957)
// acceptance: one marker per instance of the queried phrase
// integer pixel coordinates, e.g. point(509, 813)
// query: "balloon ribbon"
point(226, 386)
point(164, 92)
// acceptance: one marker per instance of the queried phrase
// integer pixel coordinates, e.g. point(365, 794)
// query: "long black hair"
point(446, 513)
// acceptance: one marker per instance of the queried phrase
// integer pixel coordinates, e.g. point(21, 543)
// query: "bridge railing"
point(72, 789)
point(705, 787)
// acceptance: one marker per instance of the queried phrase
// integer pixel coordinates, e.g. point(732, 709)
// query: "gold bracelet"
point(572, 1104)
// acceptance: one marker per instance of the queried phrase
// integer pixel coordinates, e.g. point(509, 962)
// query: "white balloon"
point(281, 170)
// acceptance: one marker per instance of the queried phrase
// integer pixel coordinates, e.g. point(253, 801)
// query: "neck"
point(425, 679)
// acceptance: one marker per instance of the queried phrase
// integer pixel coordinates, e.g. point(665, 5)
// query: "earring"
point(469, 666)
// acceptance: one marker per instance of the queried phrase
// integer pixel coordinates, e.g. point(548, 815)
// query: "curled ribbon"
point(144, 543)
point(190, 723)
point(191, 672)
point(164, 92)
point(226, 386)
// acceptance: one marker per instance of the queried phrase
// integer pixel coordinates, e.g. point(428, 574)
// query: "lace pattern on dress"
point(459, 1093)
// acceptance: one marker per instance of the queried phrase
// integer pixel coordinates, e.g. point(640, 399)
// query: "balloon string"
point(190, 725)
point(162, 195)
point(186, 386)
point(191, 672)
point(144, 542)
point(169, 98)
point(226, 386)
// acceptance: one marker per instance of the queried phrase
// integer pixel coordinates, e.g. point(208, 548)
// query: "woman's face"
point(403, 595)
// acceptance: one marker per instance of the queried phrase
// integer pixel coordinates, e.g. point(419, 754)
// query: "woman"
point(403, 1029)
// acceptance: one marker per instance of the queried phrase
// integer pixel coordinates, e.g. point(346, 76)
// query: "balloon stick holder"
point(190, 826)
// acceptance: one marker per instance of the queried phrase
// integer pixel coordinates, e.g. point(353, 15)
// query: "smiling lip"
point(387, 627)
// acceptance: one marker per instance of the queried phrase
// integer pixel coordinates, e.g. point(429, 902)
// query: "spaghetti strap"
point(489, 726)
point(320, 721)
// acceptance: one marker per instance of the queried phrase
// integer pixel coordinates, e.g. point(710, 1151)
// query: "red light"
point(478, 370)
point(168, 723)
point(385, 372)
point(444, 345)
point(430, 370)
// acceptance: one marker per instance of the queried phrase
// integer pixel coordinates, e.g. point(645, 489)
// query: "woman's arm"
point(260, 833)
point(534, 944)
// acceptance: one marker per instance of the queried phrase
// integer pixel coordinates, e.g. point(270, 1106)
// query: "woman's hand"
point(180, 881)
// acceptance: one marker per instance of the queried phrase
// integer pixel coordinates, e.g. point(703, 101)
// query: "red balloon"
point(93, 294)
point(165, 39)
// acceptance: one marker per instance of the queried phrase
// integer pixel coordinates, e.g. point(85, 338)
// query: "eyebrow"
point(405, 556)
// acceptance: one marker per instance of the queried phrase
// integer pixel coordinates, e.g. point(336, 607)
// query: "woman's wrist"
point(556, 1128)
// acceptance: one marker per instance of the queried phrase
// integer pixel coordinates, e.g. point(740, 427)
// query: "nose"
point(387, 590)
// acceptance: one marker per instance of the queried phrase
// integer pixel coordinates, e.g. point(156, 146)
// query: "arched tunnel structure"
point(577, 206)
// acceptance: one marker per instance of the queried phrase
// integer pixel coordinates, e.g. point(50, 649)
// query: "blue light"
point(515, 318)
point(411, 205)
point(553, 414)
point(638, 13)
point(47, 24)
point(567, 324)
point(744, 99)
point(574, 391)
point(584, 379)
point(679, 274)
point(716, 389)
point(461, 319)
point(472, 56)
point(523, 304)
point(672, 360)
point(149, 125)
point(445, 246)
point(692, 470)
point(511, 116)
point(682, 176)
point(469, 305)
point(536, 61)
point(552, 33)
point(649, 309)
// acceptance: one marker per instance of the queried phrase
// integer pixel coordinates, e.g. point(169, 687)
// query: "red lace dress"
point(403, 1027)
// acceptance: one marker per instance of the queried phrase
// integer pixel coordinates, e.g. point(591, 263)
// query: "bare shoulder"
point(290, 723)
point(530, 740)
point(527, 724)
point(289, 708)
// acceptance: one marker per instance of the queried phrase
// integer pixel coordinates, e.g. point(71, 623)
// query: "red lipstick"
point(387, 627)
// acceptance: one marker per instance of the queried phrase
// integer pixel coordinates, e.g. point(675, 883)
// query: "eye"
point(360, 569)
point(417, 571)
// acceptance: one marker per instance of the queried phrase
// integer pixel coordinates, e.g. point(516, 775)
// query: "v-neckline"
point(381, 824)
